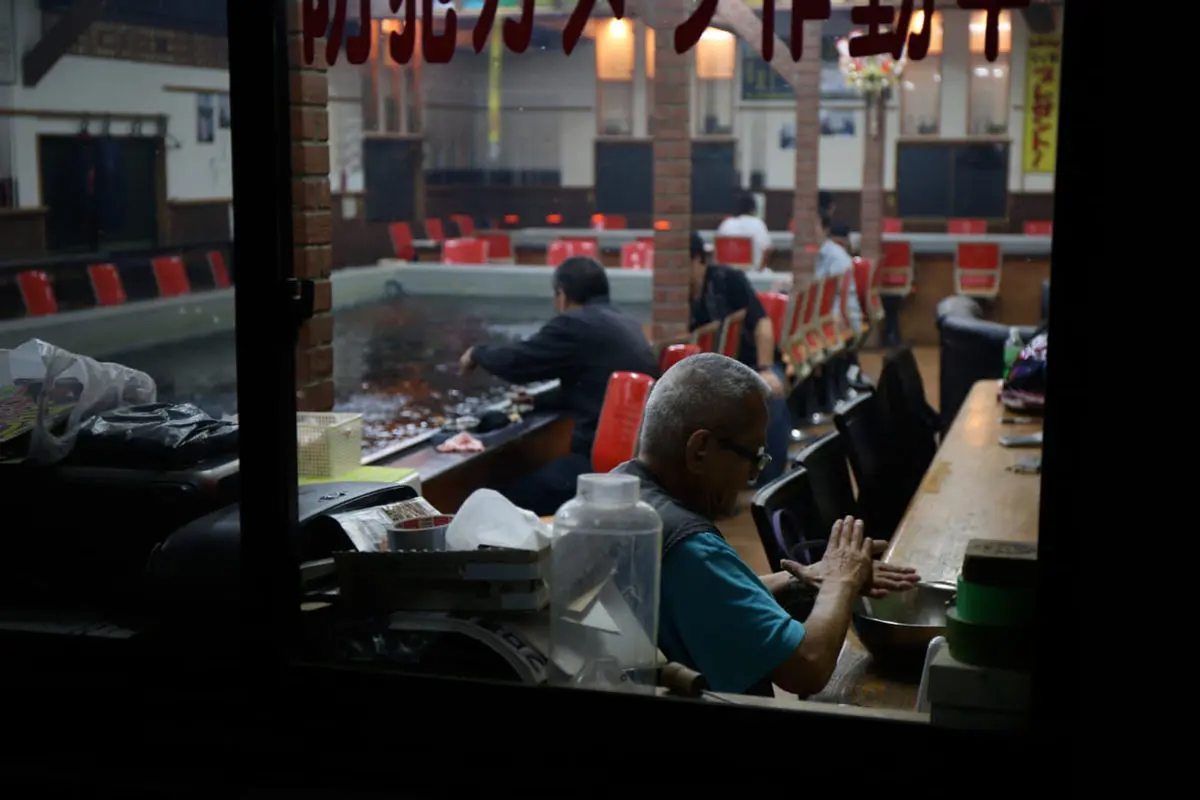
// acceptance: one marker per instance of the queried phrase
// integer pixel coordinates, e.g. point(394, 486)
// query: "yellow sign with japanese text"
point(1043, 64)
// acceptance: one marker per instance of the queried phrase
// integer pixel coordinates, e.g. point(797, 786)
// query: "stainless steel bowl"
point(897, 629)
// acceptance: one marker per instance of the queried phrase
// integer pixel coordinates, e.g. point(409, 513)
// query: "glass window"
point(716, 58)
point(650, 61)
point(989, 81)
point(504, 168)
point(615, 41)
point(921, 84)
point(116, 199)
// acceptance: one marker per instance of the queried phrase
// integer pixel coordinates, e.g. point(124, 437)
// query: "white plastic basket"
point(328, 445)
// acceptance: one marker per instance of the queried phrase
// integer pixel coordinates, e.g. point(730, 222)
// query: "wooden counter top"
point(968, 493)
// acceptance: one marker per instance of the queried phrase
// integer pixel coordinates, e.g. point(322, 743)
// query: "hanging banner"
point(1043, 65)
point(495, 60)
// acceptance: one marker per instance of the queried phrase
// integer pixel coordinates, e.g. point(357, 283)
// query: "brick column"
point(871, 223)
point(808, 149)
point(312, 214)
point(672, 171)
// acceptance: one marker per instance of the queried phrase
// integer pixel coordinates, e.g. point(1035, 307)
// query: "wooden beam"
point(55, 42)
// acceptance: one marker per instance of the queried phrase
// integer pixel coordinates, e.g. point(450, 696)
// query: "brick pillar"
point(312, 214)
point(808, 149)
point(871, 223)
point(672, 172)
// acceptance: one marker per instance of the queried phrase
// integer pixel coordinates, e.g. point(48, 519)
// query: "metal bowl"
point(896, 629)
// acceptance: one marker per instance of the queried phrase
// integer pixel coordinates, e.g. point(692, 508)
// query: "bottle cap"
point(609, 490)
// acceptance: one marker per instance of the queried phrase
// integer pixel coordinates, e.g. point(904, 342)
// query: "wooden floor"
point(740, 531)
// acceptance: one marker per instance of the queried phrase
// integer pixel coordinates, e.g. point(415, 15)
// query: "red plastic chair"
point(828, 311)
point(106, 284)
point(1039, 227)
point(867, 279)
point(37, 292)
point(776, 304)
point(464, 251)
point(434, 230)
point(729, 340)
point(637, 255)
point(892, 225)
point(402, 241)
point(967, 227)
point(499, 246)
point(466, 225)
point(620, 419)
point(216, 263)
point(171, 276)
point(673, 354)
point(705, 337)
point(897, 269)
point(868, 296)
point(977, 269)
point(734, 251)
point(805, 348)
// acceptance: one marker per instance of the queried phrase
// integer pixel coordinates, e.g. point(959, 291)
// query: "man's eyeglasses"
point(760, 459)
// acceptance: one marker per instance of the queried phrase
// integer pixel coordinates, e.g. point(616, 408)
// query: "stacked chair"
point(822, 346)
point(869, 467)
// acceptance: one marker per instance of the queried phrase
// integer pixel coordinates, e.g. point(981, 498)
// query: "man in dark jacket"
point(581, 347)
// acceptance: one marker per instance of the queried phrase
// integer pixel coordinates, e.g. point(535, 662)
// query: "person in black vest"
point(581, 347)
point(703, 440)
point(717, 292)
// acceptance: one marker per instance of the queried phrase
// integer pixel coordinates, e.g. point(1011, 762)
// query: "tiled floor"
point(740, 531)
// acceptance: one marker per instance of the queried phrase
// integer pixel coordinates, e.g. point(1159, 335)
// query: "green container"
point(994, 605)
point(996, 646)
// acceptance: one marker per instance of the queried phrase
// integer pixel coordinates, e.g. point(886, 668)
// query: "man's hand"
point(773, 382)
point(848, 554)
point(466, 361)
point(885, 577)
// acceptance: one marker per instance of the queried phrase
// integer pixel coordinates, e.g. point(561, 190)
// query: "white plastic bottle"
point(604, 587)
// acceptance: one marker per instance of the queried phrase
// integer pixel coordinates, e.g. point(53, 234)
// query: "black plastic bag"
point(154, 436)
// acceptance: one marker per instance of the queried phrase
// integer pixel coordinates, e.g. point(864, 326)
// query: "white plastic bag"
point(487, 518)
point(69, 385)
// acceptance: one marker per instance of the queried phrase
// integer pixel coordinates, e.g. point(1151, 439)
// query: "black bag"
point(155, 436)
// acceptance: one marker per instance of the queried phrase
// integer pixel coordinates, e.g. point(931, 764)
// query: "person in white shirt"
point(832, 259)
point(746, 223)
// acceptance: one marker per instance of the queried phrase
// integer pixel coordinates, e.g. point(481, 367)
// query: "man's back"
point(609, 340)
point(580, 348)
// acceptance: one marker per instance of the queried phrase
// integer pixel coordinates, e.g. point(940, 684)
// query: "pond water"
point(396, 363)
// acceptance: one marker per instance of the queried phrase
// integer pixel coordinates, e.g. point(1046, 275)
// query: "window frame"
point(269, 512)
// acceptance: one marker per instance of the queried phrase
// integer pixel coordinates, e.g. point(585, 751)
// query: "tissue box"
point(487, 579)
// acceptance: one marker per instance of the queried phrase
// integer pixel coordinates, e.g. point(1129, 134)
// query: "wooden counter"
point(968, 493)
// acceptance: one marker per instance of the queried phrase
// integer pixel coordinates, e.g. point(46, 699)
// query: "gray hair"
point(706, 391)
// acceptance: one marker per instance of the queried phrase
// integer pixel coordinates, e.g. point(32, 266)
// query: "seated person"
point(832, 259)
point(581, 347)
point(717, 292)
point(702, 440)
point(746, 223)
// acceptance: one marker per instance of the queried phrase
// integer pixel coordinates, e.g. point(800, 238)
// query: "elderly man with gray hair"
point(703, 441)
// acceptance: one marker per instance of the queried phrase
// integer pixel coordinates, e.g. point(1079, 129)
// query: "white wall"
point(549, 116)
point(548, 120)
point(76, 84)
